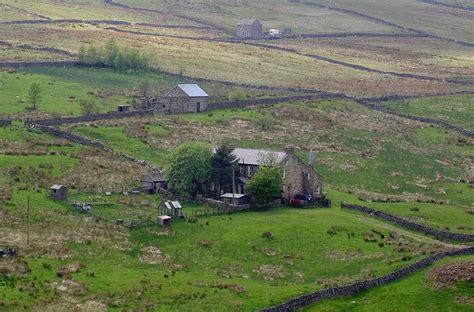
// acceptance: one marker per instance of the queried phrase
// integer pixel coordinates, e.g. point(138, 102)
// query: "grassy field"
point(414, 55)
point(64, 88)
point(273, 14)
point(413, 293)
point(448, 217)
point(79, 261)
point(450, 23)
point(91, 10)
point(220, 262)
point(457, 110)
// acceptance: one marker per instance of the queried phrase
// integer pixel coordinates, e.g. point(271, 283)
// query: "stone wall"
point(357, 287)
point(269, 101)
point(68, 136)
point(89, 118)
point(5, 122)
point(411, 225)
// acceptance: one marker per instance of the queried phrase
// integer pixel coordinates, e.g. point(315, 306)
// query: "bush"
point(112, 56)
point(236, 95)
point(265, 122)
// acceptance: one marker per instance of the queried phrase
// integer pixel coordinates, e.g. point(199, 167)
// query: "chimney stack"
point(310, 158)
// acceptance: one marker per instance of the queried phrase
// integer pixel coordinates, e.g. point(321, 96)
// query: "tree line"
point(113, 56)
point(194, 169)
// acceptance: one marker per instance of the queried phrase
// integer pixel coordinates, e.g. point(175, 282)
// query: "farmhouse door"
point(198, 107)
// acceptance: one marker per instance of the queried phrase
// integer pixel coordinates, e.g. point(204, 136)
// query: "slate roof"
point(192, 90)
point(229, 195)
point(153, 177)
point(57, 186)
point(254, 156)
point(246, 21)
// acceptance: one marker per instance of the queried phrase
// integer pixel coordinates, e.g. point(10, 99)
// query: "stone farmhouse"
point(298, 177)
point(184, 98)
point(249, 28)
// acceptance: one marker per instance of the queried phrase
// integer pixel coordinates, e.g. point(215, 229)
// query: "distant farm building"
point(249, 28)
point(151, 182)
point(123, 108)
point(58, 192)
point(184, 98)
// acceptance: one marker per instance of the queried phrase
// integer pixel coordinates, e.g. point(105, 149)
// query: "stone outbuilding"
point(151, 182)
point(58, 192)
point(249, 28)
point(184, 98)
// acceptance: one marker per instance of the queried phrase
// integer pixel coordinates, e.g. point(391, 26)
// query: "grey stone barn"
point(151, 182)
point(298, 177)
point(249, 28)
point(184, 98)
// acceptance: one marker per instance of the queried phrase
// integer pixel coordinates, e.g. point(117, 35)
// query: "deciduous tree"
point(34, 94)
point(188, 168)
point(265, 185)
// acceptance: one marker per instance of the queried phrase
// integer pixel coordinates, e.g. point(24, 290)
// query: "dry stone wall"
point(357, 287)
point(410, 225)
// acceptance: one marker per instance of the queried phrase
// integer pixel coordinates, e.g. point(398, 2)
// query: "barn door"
point(198, 107)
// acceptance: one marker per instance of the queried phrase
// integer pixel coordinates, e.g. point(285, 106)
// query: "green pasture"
point(412, 293)
point(457, 110)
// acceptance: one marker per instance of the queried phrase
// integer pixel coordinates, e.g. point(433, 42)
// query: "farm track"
point(452, 6)
point(388, 23)
point(294, 51)
point(370, 103)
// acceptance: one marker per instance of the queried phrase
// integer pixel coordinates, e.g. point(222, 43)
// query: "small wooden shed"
point(58, 192)
point(235, 199)
point(164, 220)
point(151, 182)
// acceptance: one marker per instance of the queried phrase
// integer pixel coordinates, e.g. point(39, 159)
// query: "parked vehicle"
point(301, 200)
point(274, 33)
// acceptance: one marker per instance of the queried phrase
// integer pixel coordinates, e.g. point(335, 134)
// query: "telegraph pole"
point(233, 183)
point(28, 221)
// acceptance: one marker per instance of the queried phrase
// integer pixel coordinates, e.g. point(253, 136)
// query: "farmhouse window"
point(251, 170)
point(284, 174)
point(242, 170)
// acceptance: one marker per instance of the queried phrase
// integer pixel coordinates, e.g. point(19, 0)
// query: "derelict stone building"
point(184, 98)
point(249, 28)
